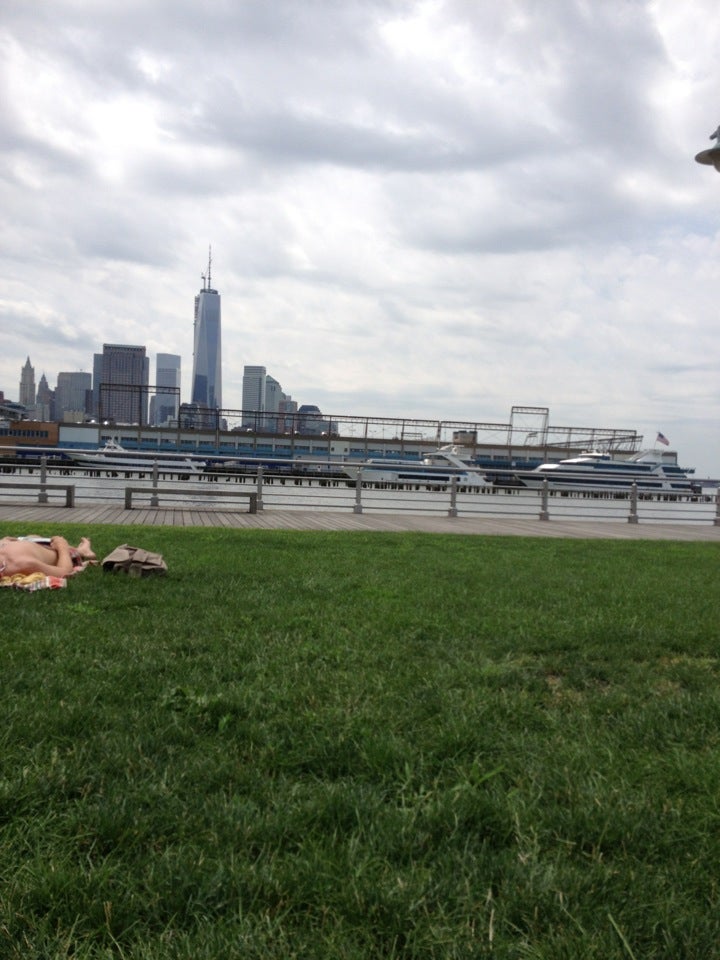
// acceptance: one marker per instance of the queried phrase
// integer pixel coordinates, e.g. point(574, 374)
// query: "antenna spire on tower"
point(209, 278)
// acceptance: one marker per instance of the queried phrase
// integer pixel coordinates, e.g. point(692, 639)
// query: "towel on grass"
point(33, 581)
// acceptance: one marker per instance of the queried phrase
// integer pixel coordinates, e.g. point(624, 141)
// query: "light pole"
point(711, 156)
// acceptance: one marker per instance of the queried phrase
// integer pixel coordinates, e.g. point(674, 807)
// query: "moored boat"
point(437, 468)
point(652, 471)
point(115, 457)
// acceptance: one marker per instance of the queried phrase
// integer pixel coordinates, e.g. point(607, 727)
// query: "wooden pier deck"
point(41, 517)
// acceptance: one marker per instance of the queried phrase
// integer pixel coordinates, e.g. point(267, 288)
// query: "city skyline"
point(81, 396)
point(79, 393)
point(424, 209)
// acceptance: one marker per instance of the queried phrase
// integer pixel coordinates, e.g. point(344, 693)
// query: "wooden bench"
point(69, 489)
point(199, 494)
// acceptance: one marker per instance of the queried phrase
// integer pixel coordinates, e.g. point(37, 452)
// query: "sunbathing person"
point(52, 556)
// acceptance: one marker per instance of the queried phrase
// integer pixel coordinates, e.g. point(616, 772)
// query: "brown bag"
point(134, 561)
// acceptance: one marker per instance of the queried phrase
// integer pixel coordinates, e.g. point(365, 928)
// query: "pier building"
point(525, 440)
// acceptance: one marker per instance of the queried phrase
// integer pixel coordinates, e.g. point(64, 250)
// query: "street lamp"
point(711, 156)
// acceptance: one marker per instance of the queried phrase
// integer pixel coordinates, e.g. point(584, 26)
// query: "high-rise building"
point(27, 385)
point(73, 394)
point(166, 402)
point(287, 410)
point(253, 396)
point(207, 349)
point(310, 420)
point(44, 401)
point(97, 379)
point(124, 381)
point(274, 403)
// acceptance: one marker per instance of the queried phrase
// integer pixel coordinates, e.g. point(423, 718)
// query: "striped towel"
point(33, 581)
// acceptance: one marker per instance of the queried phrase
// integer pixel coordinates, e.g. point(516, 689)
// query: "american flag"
point(661, 438)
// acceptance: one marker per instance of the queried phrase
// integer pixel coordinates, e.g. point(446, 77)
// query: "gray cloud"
point(421, 209)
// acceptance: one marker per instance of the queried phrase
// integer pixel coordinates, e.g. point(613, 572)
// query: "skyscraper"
point(27, 385)
point(44, 401)
point(123, 387)
point(73, 394)
point(207, 350)
point(273, 396)
point(96, 381)
point(253, 396)
point(166, 401)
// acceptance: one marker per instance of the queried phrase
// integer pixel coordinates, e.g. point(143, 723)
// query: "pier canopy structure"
point(528, 430)
point(527, 437)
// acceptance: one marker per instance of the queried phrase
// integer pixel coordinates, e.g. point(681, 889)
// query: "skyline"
point(429, 209)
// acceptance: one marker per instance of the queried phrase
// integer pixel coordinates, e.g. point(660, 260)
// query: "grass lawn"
point(352, 745)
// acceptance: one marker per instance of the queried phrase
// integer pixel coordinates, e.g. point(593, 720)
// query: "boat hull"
point(419, 477)
point(124, 464)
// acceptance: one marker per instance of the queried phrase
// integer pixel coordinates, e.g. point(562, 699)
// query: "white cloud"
point(433, 209)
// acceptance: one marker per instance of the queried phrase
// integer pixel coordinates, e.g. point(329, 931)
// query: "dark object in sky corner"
point(711, 156)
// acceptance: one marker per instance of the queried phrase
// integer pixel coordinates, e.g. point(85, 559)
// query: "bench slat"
point(173, 492)
point(69, 488)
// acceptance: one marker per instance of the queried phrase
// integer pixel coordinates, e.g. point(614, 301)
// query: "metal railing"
point(319, 485)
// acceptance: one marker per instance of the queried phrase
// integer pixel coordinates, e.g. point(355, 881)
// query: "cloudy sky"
point(436, 208)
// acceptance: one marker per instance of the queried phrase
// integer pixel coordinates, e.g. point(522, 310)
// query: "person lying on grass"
point(52, 556)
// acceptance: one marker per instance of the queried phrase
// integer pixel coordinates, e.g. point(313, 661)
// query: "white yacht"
point(437, 468)
point(653, 471)
point(115, 457)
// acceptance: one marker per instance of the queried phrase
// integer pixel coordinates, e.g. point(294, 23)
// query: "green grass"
point(362, 746)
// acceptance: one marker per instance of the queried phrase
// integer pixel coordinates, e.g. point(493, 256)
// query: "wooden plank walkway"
point(37, 518)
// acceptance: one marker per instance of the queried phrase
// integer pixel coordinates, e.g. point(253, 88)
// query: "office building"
point(253, 396)
point(123, 386)
point(287, 411)
point(207, 348)
point(273, 398)
point(310, 420)
point(165, 405)
point(27, 385)
point(44, 401)
point(96, 379)
point(73, 394)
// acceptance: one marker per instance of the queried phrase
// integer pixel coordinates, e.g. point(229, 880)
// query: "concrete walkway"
point(35, 518)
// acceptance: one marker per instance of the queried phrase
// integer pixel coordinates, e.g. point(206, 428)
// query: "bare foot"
point(85, 549)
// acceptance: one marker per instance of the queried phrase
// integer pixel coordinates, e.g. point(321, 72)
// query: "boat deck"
point(37, 518)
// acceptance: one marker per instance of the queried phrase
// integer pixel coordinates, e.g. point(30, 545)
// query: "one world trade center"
point(207, 351)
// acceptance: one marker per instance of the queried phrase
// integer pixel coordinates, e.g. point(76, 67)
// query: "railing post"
point(358, 492)
point(716, 521)
point(544, 514)
point(633, 518)
point(452, 512)
point(259, 488)
point(43, 495)
point(154, 502)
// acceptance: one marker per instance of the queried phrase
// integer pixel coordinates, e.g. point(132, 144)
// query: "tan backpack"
point(134, 561)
